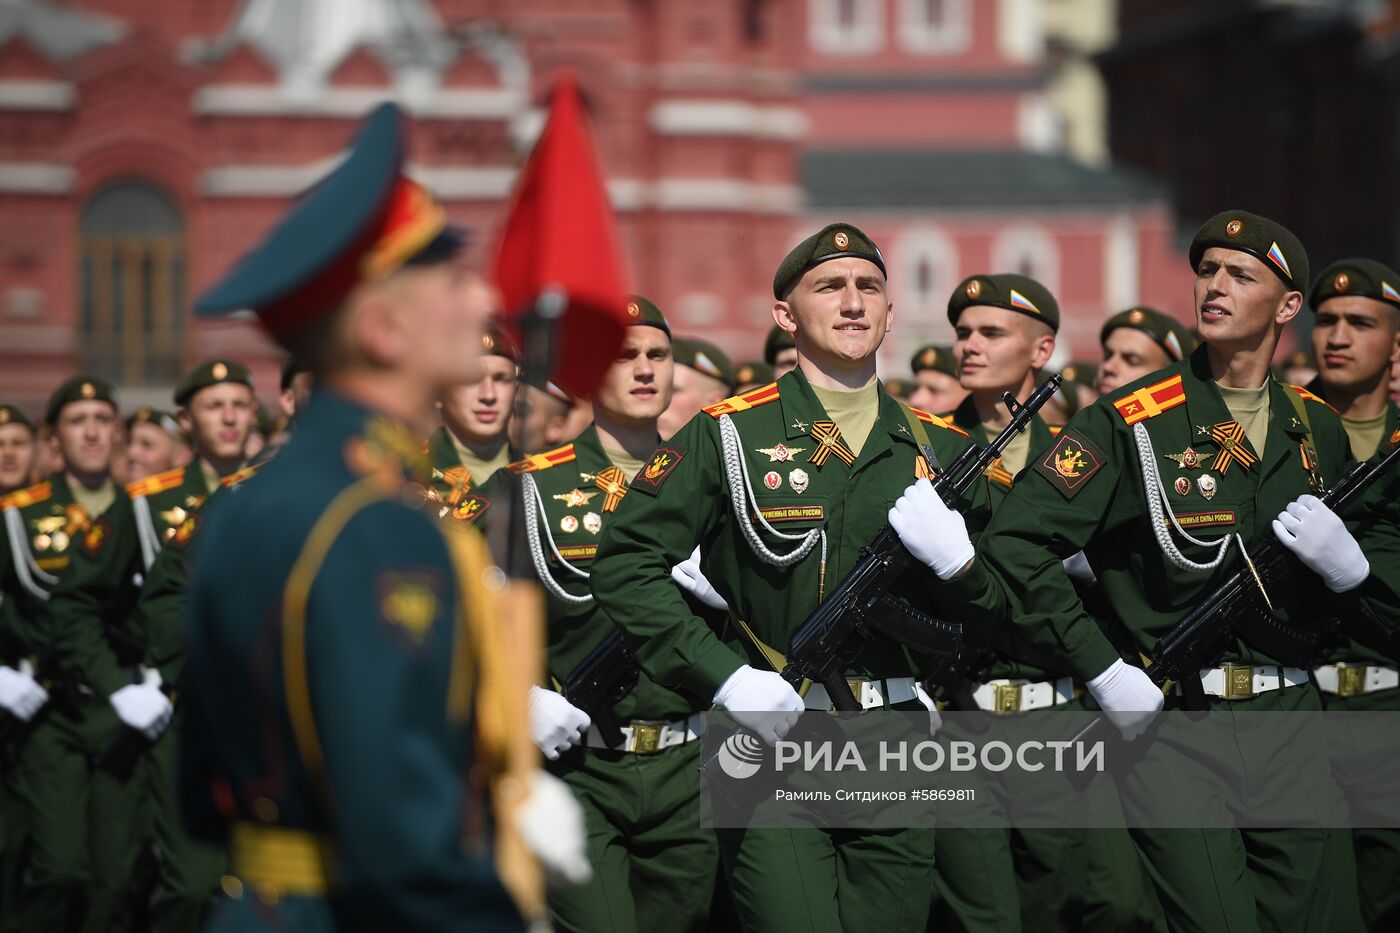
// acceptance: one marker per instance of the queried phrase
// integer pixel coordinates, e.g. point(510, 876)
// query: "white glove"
point(144, 708)
point(1077, 567)
point(20, 693)
point(551, 824)
point(1127, 696)
point(933, 533)
point(1312, 531)
point(935, 721)
point(753, 697)
point(689, 578)
point(556, 725)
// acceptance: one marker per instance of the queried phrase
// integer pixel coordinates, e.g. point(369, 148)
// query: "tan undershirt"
point(1014, 457)
point(624, 461)
point(479, 469)
point(211, 475)
point(1365, 435)
point(94, 501)
point(1250, 407)
point(853, 410)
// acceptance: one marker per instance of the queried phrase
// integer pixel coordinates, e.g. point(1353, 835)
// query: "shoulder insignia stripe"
point(27, 497)
point(536, 462)
point(1151, 401)
point(238, 476)
point(1055, 429)
point(157, 482)
point(936, 421)
point(760, 396)
point(1305, 394)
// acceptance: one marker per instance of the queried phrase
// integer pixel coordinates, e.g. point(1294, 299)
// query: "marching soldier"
point(17, 445)
point(822, 452)
point(654, 863)
point(1221, 448)
point(350, 705)
point(936, 379)
point(1138, 342)
point(153, 443)
point(703, 376)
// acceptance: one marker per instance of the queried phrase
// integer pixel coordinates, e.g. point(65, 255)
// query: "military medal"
point(593, 523)
point(780, 454)
point(798, 480)
point(568, 524)
point(1206, 484)
point(575, 498)
point(1188, 459)
point(1183, 486)
point(1230, 436)
point(772, 480)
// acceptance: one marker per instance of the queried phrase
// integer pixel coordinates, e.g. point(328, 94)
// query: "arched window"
point(846, 27)
point(925, 260)
point(1028, 250)
point(935, 27)
point(132, 271)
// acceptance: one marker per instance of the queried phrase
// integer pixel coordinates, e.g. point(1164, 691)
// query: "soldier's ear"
point(783, 317)
point(182, 417)
point(1288, 310)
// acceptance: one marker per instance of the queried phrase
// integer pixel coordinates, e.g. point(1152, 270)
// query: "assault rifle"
point(601, 679)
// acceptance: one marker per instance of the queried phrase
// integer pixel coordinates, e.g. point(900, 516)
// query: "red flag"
point(560, 235)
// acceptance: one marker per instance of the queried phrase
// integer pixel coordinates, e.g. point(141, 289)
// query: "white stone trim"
point(727, 118)
point(725, 194)
point(826, 34)
point(352, 102)
point(37, 95)
point(1121, 263)
point(35, 178)
point(1033, 243)
point(1021, 30)
point(917, 34)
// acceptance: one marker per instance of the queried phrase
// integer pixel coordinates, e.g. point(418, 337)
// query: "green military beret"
point(1008, 290)
point(1166, 331)
point(79, 389)
point(9, 414)
point(934, 357)
point(212, 373)
point(549, 387)
point(835, 241)
point(291, 368)
point(497, 342)
point(754, 373)
point(1270, 242)
point(777, 341)
point(1364, 277)
point(704, 357)
point(1080, 371)
point(643, 312)
point(161, 419)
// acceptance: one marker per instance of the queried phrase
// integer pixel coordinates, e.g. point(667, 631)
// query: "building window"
point(846, 27)
point(935, 27)
point(132, 285)
point(925, 260)
point(1028, 250)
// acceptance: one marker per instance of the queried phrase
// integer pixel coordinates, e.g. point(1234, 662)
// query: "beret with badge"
point(1266, 240)
point(1166, 331)
point(79, 389)
point(154, 416)
point(643, 312)
point(1364, 277)
point(1019, 293)
point(834, 241)
point(706, 358)
point(497, 342)
point(211, 373)
point(754, 373)
point(10, 414)
point(935, 357)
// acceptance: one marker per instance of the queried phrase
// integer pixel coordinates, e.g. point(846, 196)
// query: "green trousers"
point(1241, 880)
point(1366, 784)
point(187, 869)
point(653, 863)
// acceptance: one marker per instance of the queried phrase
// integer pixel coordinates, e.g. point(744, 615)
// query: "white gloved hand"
point(689, 578)
point(1312, 531)
point(556, 725)
point(935, 534)
point(760, 701)
point(1127, 696)
point(1077, 567)
point(21, 694)
point(144, 708)
point(550, 821)
point(935, 721)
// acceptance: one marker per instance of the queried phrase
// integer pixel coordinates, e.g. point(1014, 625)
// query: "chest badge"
point(799, 425)
point(1206, 484)
point(568, 524)
point(798, 480)
point(780, 454)
point(1183, 486)
point(575, 498)
point(772, 480)
point(1188, 459)
point(592, 523)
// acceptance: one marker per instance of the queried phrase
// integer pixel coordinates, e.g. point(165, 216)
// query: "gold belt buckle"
point(1008, 698)
point(646, 737)
point(1351, 680)
point(1239, 681)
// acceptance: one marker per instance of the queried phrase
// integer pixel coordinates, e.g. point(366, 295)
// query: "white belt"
point(1243, 681)
point(869, 693)
point(647, 738)
point(1350, 680)
point(1017, 696)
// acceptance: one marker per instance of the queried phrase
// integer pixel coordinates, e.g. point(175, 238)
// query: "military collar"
point(801, 408)
point(442, 453)
point(373, 442)
point(588, 447)
point(966, 417)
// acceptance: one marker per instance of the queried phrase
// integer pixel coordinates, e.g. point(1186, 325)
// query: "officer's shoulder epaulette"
point(1151, 400)
point(1311, 397)
point(536, 462)
point(238, 476)
point(22, 498)
point(936, 421)
point(156, 482)
point(736, 403)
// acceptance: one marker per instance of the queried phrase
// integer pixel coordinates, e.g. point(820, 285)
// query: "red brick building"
point(145, 144)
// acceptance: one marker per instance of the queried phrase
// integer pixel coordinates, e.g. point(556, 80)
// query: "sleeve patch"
point(408, 604)
point(663, 460)
point(1070, 463)
point(471, 507)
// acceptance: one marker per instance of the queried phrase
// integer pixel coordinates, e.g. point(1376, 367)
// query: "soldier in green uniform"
point(703, 376)
point(1226, 452)
point(936, 379)
point(351, 711)
point(654, 865)
point(780, 488)
point(17, 445)
point(1356, 333)
point(473, 441)
point(547, 411)
point(1137, 343)
point(153, 443)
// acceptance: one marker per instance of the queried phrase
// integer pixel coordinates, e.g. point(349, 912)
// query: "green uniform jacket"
point(998, 477)
point(682, 498)
point(364, 690)
point(576, 511)
point(1087, 493)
